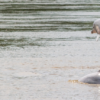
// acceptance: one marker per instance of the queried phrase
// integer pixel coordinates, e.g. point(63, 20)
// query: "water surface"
point(45, 43)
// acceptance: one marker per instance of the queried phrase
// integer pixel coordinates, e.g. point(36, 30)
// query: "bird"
point(96, 28)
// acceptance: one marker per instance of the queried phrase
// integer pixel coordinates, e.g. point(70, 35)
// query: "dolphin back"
point(93, 78)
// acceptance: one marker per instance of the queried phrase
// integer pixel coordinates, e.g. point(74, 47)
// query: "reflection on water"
point(51, 1)
point(61, 28)
point(47, 17)
point(49, 44)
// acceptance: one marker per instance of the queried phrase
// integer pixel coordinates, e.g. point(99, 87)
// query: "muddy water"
point(43, 45)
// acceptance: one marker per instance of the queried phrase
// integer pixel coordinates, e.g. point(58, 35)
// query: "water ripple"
point(44, 17)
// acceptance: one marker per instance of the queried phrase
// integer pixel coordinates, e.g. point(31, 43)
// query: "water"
point(43, 44)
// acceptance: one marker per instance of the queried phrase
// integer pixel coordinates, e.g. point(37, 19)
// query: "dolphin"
point(93, 78)
point(96, 28)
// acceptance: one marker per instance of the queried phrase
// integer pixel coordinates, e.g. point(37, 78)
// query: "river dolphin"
point(96, 28)
point(93, 78)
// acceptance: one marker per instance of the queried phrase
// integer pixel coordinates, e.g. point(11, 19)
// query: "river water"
point(43, 45)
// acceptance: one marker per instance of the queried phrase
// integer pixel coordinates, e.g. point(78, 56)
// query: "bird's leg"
point(97, 37)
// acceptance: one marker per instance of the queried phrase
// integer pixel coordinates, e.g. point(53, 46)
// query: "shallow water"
point(43, 45)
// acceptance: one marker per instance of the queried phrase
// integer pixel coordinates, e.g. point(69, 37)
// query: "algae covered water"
point(45, 43)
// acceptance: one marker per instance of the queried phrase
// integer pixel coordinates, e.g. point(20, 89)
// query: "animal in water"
point(96, 28)
point(93, 78)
